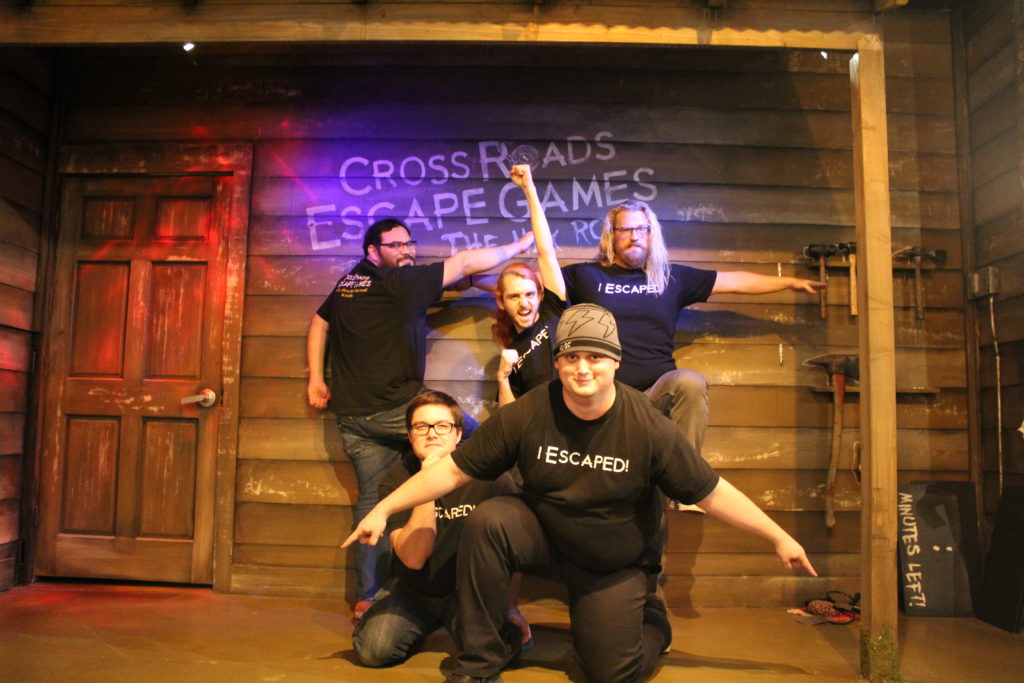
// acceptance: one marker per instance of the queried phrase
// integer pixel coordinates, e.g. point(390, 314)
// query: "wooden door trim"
point(228, 159)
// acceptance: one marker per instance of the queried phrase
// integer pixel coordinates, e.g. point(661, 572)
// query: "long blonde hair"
point(657, 266)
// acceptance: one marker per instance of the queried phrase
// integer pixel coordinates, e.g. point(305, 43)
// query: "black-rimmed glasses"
point(440, 428)
point(411, 244)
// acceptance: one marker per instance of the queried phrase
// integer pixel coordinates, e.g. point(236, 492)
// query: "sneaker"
point(359, 609)
point(512, 636)
point(516, 618)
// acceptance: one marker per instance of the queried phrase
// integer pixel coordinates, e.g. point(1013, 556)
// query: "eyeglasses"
point(636, 230)
point(411, 244)
point(440, 428)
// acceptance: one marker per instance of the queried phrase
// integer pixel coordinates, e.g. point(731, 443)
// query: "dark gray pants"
point(682, 396)
point(613, 641)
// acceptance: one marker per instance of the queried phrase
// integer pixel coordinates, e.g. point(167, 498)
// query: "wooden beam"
point(877, 361)
point(1018, 49)
point(499, 21)
point(883, 5)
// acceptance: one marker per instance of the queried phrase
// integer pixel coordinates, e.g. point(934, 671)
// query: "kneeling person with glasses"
point(418, 597)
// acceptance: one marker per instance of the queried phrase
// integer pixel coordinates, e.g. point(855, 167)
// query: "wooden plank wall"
point(745, 154)
point(26, 86)
point(995, 45)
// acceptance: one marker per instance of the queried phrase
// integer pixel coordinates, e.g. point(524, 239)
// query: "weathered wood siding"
point(746, 155)
point(995, 78)
point(25, 97)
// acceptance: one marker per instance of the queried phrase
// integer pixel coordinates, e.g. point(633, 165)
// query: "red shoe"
point(359, 609)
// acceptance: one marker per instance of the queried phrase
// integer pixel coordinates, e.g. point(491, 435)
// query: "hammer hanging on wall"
point(849, 249)
point(821, 252)
point(840, 368)
point(916, 255)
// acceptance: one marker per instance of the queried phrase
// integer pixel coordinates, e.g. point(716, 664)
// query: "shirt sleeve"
point(325, 308)
point(420, 286)
point(696, 284)
point(680, 472)
point(489, 452)
point(569, 277)
point(551, 304)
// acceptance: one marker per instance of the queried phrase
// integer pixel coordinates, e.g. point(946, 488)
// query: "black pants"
point(606, 609)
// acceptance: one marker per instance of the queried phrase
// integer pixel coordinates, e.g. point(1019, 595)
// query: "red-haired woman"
point(529, 306)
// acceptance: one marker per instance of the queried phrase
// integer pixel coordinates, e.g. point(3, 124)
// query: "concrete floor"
point(86, 632)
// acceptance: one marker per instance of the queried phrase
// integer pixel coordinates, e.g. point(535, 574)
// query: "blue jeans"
point(373, 443)
point(398, 621)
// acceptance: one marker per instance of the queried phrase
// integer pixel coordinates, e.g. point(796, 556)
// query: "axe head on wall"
point(834, 364)
point(839, 367)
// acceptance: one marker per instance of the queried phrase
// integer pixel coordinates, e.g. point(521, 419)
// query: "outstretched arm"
point(470, 261)
point(745, 282)
point(547, 259)
point(317, 391)
point(730, 505)
point(426, 485)
point(414, 542)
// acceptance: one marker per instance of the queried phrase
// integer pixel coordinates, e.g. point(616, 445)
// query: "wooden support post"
point(876, 338)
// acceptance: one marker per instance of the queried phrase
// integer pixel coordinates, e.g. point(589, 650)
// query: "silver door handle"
point(205, 398)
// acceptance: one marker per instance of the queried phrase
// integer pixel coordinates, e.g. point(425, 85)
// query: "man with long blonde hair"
point(634, 279)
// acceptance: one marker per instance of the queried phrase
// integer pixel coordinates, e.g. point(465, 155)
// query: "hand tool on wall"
point(840, 368)
point(916, 255)
point(849, 250)
point(821, 252)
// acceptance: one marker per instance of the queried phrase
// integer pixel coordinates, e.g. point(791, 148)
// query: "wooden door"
point(128, 471)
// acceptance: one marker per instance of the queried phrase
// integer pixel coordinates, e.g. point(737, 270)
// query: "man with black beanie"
point(593, 454)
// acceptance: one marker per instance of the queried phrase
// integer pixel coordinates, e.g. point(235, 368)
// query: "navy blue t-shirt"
point(646, 320)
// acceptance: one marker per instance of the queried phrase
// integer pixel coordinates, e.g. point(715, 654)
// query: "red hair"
point(503, 331)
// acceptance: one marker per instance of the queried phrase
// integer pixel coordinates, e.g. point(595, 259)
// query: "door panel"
point(127, 489)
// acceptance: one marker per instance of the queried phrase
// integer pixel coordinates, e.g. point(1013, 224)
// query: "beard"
point(634, 256)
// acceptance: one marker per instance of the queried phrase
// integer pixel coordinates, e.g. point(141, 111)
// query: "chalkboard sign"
point(936, 548)
point(1001, 599)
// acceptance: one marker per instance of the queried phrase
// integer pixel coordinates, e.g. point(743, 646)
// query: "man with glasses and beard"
point(374, 325)
point(634, 280)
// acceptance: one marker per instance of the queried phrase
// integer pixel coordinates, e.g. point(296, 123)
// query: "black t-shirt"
point(377, 335)
point(647, 321)
point(591, 482)
point(536, 364)
point(437, 577)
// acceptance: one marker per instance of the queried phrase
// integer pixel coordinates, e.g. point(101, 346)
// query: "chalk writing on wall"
point(912, 579)
point(462, 197)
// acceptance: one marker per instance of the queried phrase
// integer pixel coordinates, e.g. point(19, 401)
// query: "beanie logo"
point(588, 316)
